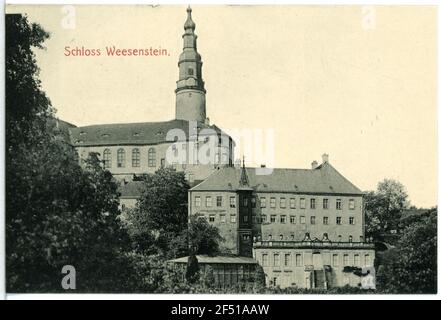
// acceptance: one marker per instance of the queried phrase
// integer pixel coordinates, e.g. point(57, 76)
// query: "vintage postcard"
point(248, 149)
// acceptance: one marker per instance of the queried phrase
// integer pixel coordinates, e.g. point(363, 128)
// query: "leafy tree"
point(411, 266)
point(192, 272)
point(57, 213)
point(383, 208)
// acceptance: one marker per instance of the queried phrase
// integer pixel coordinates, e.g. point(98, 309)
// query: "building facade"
point(305, 227)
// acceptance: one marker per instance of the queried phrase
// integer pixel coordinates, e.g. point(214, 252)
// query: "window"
point(211, 218)
point(325, 220)
point(233, 218)
point(245, 201)
point(276, 259)
point(335, 260)
point(262, 202)
point(245, 219)
point(292, 237)
point(312, 203)
point(351, 204)
point(265, 260)
point(197, 201)
point(253, 202)
point(338, 204)
point(345, 260)
point(282, 219)
point(263, 218)
point(339, 238)
point(232, 202)
point(281, 237)
point(208, 202)
point(350, 238)
point(282, 203)
point(273, 202)
point(273, 218)
point(302, 203)
point(302, 220)
point(152, 158)
point(325, 203)
point(120, 158)
point(270, 237)
point(190, 71)
point(351, 220)
point(162, 163)
point(287, 259)
point(356, 260)
point(292, 219)
point(223, 218)
point(338, 220)
point(246, 237)
point(219, 201)
point(136, 159)
point(107, 158)
point(299, 260)
point(292, 203)
point(367, 260)
point(312, 219)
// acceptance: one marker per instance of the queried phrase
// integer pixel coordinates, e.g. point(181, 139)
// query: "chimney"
point(314, 165)
point(325, 158)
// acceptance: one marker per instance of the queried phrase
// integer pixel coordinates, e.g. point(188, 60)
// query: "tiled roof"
point(324, 179)
point(129, 133)
point(218, 259)
point(132, 189)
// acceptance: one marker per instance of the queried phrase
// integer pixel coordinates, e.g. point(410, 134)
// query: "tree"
point(57, 213)
point(383, 208)
point(411, 267)
point(192, 272)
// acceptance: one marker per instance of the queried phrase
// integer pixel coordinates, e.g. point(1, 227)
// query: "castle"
point(305, 227)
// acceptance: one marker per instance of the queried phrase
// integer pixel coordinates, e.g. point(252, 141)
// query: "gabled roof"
point(130, 133)
point(324, 179)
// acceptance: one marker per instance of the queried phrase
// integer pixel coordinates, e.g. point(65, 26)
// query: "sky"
point(358, 83)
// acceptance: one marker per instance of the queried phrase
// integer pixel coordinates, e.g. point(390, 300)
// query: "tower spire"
point(244, 182)
point(190, 88)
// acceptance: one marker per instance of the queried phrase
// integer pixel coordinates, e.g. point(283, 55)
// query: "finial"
point(243, 161)
point(189, 9)
point(189, 23)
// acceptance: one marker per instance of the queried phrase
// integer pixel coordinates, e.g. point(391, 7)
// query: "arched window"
point(152, 157)
point(121, 158)
point(107, 158)
point(350, 238)
point(136, 159)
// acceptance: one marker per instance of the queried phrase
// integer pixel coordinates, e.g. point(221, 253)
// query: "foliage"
point(411, 266)
point(192, 272)
point(383, 208)
point(56, 213)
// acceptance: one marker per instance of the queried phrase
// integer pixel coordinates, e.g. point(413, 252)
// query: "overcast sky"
point(357, 83)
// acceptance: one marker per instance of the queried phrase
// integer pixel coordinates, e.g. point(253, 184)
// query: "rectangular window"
point(351, 220)
point(292, 219)
point(211, 218)
point(367, 260)
point(282, 219)
point(335, 260)
point(208, 202)
point(273, 218)
point(197, 201)
point(245, 219)
point(325, 220)
point(265, 260)
point(263, 218)
point(338, 220)
point(302, 219)
point(292, 203)
point(273, 202)
point(232, 202)
point(253, 202)
point(233, 218)
point(338, 204)
point(312, 219)
point(325, 203)
point(282, 203)
point(302, 203)
point(276, 260)
point(223, 218)
point(299, 260)
point(351, 204)
point(287, 259)
point(245, 201)
point(356, 260)
point(312, 203)
point(345, 260)
point(219, 201)
point(262, 202)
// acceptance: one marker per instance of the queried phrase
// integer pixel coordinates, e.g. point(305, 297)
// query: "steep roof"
point(324, 179)
point(130, 133)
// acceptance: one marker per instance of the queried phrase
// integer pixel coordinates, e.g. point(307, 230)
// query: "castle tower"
point(190, 91)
